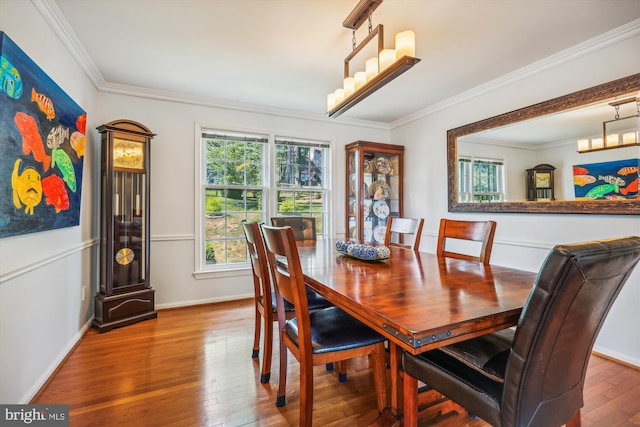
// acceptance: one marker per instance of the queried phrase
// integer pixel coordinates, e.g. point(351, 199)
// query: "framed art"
point(42, 141)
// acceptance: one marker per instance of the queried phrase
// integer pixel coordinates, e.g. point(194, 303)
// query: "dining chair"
point(533, 376)
point(318, 337)
point(264, 298)
point(304, 228)
point(401, 227)
point(457, 230)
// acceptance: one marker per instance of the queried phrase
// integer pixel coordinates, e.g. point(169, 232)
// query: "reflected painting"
point(607, 180)
point(42, 138)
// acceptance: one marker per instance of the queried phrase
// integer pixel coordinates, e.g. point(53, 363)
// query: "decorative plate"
point(383, 165)
point(381, 209)
point(379, 190)
point(379, 232)
point(363, 251)
point(368, 167)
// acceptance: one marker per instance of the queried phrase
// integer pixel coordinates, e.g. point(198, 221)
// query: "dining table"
point(417, 300)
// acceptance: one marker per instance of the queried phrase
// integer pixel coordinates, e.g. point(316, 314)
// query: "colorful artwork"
point(42, 137)
point(607, 180)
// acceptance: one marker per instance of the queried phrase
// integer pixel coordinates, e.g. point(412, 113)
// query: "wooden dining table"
point(416, 299)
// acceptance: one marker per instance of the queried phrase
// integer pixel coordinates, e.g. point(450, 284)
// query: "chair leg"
point(267, 347)
point(256, 334)
point(282, 381)
point(410, 389)
point(378, 362)
point(306, 394)
point(576, 420)
point(342, 371)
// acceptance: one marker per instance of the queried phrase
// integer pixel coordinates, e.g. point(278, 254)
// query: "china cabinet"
point(373, 189)
point(125, 294)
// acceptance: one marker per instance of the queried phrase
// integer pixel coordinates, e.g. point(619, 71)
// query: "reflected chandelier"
point(379, 70)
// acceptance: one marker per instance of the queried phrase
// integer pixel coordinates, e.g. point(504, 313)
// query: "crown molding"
point(609, 38)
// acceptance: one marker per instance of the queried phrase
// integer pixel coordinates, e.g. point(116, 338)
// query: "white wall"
point(42, 313)
point(173, 193)
point(522, 240)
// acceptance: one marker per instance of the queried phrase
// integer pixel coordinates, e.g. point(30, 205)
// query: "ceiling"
point(288, 54)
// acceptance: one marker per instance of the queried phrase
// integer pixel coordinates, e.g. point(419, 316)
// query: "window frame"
point(467, 180)
point(202, 270)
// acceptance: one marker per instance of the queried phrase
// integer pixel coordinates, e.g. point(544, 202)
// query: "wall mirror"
point(545, 133)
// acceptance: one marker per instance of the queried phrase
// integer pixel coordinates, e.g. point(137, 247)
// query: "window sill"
point(223, 272)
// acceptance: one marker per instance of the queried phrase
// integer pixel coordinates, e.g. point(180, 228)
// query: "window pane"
point(317, 202)
point(254, 200)
point(237, 250)
point(215, 252)
point(234, 225)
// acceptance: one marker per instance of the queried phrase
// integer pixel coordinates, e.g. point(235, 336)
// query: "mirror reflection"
point(553, 156)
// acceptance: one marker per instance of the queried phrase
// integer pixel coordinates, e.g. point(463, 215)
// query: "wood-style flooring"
point(192, 367)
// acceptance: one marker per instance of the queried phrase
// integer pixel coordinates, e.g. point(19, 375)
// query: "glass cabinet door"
point(374, 189)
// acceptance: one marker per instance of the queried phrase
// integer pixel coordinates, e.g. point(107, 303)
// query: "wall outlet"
point(84, 292)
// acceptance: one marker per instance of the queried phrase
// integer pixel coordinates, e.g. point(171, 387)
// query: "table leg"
point(395, 364)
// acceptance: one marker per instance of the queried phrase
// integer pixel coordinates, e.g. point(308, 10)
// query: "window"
point(301, 184)
point(236, 183)
point(480, 180)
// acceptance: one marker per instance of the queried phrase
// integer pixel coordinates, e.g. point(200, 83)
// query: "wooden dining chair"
point(402, 227)
point(264, 298)
point(533, 376)
point(319, 337)
point(476, 231)
point(304, 228)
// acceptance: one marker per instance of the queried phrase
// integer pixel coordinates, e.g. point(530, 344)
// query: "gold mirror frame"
point(573, 100)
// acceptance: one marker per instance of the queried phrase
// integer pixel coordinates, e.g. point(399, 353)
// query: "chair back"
point(477, 231)
point(571, 297)
point(288, 281)
point(258, 256)
point(304, 228)
point(401, 227)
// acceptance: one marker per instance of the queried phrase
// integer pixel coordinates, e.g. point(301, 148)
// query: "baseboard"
point(617, 358)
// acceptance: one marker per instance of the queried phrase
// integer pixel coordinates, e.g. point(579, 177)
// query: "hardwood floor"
point(192, 367)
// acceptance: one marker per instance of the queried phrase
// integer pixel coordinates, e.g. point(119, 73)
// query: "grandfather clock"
point(125, 295)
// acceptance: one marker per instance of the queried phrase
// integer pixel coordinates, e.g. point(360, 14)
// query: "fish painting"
point(57, 136)
point(601, 190)
point(628, 170)
point(579, 170)
point(55, 193)
point(10, 79)
point(583, 180)
point(631, 188)
point(81, 123)
point(610, 179)
point(77, 143)
point(27, 187)
point(62, 160)
point(31, 139)
point(44, 103)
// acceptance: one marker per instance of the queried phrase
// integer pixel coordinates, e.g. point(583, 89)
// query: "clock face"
point(124, 256)
point(543, 180)
point(128, 154)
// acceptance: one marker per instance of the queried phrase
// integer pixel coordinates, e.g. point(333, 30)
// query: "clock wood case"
point(125, 294)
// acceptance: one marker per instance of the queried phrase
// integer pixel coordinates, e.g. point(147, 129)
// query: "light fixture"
point(617, 133)
point(380, 70)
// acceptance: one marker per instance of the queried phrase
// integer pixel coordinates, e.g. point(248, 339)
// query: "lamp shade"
point(371, 68)
point(349, 86)
point(331, 101)
point(583, 144)
point(339, 94)
point(405, 44)
point(613, 140)
point(597, 143)
point(359, 78)
point(387, 57)
point(630, 138)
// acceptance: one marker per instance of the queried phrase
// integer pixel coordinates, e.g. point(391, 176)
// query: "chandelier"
point(616, 133)
point(379, 70)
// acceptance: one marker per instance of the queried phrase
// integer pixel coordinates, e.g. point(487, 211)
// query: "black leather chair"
point(534, 376)
point(323, 336)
